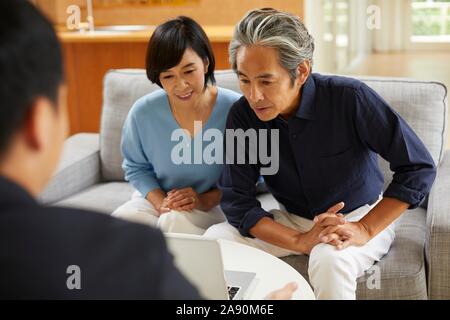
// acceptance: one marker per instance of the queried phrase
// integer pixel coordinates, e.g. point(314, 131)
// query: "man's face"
point(266, 85)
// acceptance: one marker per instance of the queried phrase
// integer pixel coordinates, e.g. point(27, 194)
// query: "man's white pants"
point(332, 272)
point(140, 210)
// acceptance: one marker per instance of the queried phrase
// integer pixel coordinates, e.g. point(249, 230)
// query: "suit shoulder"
point(72, 223)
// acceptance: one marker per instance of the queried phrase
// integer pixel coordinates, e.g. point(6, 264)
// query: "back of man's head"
point(30, 65)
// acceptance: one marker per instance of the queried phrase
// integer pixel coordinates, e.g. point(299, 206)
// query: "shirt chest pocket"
point(339, 169)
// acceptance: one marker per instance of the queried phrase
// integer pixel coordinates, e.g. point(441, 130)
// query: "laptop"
point(200, 260)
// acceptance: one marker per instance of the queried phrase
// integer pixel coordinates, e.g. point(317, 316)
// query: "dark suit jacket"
point(116, 259)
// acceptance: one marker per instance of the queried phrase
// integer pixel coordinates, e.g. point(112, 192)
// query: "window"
point(339, 28)
point(430, 21)
point(336, 20)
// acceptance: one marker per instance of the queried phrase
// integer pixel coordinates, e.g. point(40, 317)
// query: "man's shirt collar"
point(306, 109)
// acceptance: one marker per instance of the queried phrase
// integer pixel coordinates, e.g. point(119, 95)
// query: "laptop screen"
point(200, 260)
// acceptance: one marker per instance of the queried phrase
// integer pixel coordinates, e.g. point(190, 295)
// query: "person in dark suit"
point(57, 252)
point(50, 252)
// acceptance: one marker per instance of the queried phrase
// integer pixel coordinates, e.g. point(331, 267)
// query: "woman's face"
point(185, 82)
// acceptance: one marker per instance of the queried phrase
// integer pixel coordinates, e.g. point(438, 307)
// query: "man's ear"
point(303, 71)
point(37, 124)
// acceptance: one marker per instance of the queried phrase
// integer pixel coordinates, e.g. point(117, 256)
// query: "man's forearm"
point(277, 234)
point(382, 215)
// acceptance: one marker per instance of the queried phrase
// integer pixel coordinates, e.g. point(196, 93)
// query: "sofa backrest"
point(422, 104)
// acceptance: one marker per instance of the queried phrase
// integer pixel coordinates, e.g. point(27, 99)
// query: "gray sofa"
point(418, 264)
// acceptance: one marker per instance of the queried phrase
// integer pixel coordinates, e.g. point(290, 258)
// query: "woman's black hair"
point(168, 44)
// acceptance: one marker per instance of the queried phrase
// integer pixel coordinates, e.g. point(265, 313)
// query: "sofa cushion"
point(80, 155)
point(402, 270)
point(422, 104)
point(103, 197)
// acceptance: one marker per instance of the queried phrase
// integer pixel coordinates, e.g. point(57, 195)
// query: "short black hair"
point(169, 42)
point(30, 64)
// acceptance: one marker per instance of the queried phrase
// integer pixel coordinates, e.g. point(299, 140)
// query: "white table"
point(272, 273)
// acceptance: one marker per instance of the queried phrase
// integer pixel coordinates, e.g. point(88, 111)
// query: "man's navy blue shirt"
point(328, 154)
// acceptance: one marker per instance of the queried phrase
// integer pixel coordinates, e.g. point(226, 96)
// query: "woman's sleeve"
point(138, 169)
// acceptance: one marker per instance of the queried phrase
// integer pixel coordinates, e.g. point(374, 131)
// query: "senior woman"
point(167, 125)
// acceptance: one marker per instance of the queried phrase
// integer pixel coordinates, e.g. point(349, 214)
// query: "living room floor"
point(417, 65)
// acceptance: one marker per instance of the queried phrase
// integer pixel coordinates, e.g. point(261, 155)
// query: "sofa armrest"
point(437, 247)
point(78, 169)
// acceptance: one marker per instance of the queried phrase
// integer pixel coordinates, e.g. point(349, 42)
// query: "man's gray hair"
point(275, 29)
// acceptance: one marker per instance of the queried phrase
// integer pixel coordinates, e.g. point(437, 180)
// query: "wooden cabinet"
point(205, 12)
